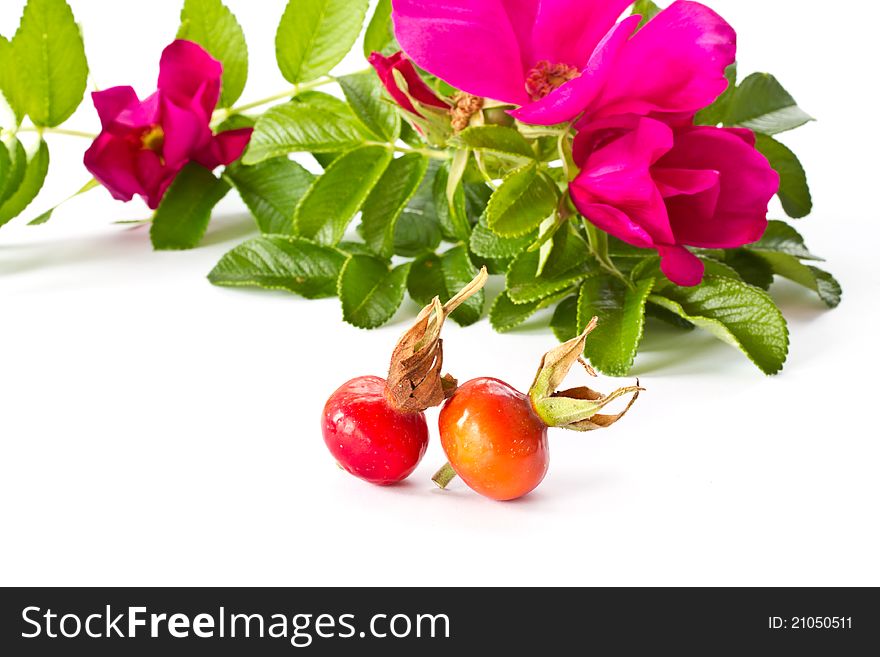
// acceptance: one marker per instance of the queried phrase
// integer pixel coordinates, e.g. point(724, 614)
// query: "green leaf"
point(299, 127)
point(454, 222)
point(185, 212)
point(236, 122)
point(315, 35)
point(365, 94)
point(489, 245)
point(371, 292)
point(713, 267)
point(812, 278)
point(355, 248)
point(6, 168)
point(476, 196)
point(380, 32)
point(10, 80)
point(13, 163)
point(388, 200)
point(525, 198)
point(336, 197)
point(761, 104)
point(497, 139)
point(272, 189)
point(794, 192)
point(416, 234)
point(212, 25)
point(716, 113)
point(751, 268)
point(409, 135)
point(505, 315)
point(782, 238)
point(612, 347)
point(620, 249)
point(568, 265)
point(278, 262)
point(325, 102)
point(646, 9)
point(325, 159)
point(30, 186)
point(564, 322)
point(444, 276)
point(418, 228)
point(667, 317)
point(51, 62)
point(735, 312)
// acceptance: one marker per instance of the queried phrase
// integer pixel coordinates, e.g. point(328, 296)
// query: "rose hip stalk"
point(376, 428)
point(496, 437)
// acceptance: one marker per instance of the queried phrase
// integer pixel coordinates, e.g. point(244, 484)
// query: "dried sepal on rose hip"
point(495, 437)
point(414, 381)
point(376, 428)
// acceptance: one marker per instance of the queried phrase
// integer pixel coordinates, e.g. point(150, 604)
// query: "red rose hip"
point(494, 439)
point(370, 438)
point(375, 428)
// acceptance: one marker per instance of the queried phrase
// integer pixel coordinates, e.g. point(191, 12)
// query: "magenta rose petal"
point(676, 63)
point(186, 71)
point(225, 148)
point(681, 266)
point(470, 45)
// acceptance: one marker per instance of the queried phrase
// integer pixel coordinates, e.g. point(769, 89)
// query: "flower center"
point(546, 78)
point(465, 107)
point(153, 139)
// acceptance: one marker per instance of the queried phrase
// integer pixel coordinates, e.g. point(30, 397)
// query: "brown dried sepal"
point(598, 421)
point(414, 380)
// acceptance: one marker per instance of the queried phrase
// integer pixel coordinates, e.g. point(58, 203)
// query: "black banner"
point(513, 621)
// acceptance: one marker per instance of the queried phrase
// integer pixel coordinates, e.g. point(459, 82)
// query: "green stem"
point(224, 114)
point(427, 152)
point(565, 154)
point(444, 476)
point(481, 166)
point(240, 109)
point(533, 132)
point(59, 131)
point(599, 246)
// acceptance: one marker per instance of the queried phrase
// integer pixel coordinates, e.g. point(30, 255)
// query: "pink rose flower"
point(659, 187)
point(143, 145)
point(416, 89)
point(559, 59)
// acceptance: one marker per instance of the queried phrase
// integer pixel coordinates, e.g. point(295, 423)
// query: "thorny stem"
point(444, 476)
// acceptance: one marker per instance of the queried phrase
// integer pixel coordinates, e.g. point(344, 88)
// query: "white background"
point(156, 430)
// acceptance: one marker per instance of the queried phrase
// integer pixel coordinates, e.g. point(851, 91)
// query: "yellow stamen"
point(153, 139)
